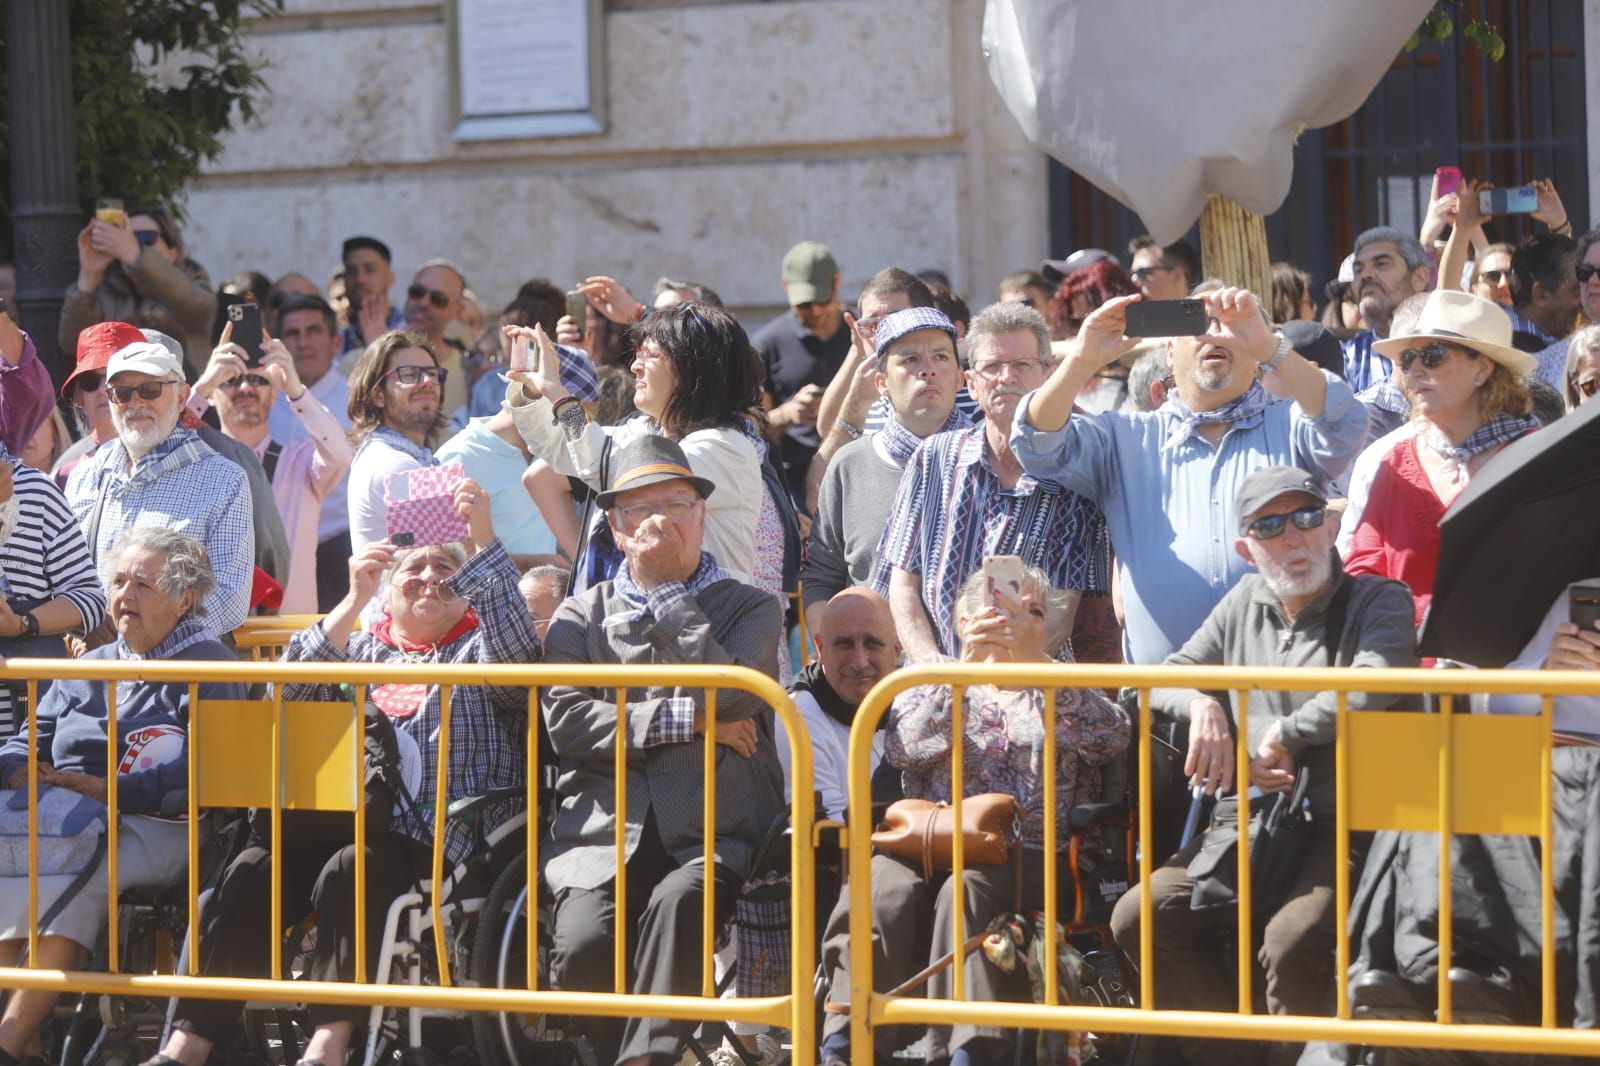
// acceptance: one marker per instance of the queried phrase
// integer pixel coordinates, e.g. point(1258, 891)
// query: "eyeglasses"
point(677, 510)
point(1432, 355)
point(1273, 525)
point(1493, 277)
point(438, 299)
point(1139, 275)
point(253, 381)
point(869, 326)
point(993, 371)
point(149, 390)
point(410, 375)
point(1588, 386)
point(1585, 271)
point(147, 237)
point(412, 587)
point(89, 382)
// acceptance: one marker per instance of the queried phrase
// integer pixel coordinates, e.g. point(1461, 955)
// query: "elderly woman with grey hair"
point(443, 603)
point(1583, 366)
point(1003, 751)
point(158, 583)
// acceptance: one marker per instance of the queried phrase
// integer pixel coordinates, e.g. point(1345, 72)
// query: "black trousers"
point(236, 938)
point(664, 902)
point(333, 571)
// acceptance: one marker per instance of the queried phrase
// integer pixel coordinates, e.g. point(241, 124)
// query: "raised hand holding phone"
point(535, 363)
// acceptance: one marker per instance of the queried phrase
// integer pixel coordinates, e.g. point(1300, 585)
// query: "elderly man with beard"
point(1167, 479)
point(302, 472)
point(157, 473)
point(1296, 610)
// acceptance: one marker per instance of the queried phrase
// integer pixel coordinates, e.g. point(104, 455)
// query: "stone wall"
point(733, 130)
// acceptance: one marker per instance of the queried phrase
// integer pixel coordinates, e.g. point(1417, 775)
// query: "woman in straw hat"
point(1465, 384)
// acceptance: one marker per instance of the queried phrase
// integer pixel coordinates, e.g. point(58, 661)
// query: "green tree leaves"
point(1438, 25)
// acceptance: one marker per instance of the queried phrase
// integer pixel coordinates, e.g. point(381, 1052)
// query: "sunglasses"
point(438, 299)
point(147, 237)
point(410, 375)
point(253, 381)
point(411, 589)
point(1432, 356)
point(1585, 271)
point(89, 382)
point(150, 390)
point(1139, 275)
point(1493, 277)
point(1274, 524)
point(1588, 386)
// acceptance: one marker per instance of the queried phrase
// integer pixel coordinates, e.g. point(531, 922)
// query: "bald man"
point(856, 648)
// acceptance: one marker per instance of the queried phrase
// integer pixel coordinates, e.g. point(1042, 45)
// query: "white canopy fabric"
point(1159, 102)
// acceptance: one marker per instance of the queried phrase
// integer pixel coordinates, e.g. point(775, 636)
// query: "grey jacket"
point(728, 623)
point(1248, 629)
point(853, 507)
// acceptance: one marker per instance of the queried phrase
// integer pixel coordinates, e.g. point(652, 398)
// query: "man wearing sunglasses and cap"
point(158, 473)
point(1295, 609)
point(670, 602)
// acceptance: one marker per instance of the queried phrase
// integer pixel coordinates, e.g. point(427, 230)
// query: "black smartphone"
point(403, 540)
point(1166, 318)
point(246, 319)
point(577, 310)
point(1583, 605)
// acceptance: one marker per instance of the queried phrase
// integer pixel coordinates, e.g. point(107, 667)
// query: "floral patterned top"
point(1004, 747)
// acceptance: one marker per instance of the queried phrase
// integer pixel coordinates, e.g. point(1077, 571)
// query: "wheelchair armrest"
point(469, 807)
point(1088, 815)
point(828, 825)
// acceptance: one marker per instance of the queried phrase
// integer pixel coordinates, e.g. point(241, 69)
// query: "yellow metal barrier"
point(1395, 770)
point(314, 762)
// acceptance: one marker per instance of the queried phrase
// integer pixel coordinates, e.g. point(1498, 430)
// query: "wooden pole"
point(1233, 246)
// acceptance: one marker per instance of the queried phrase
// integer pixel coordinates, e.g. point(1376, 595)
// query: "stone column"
point(45, 215)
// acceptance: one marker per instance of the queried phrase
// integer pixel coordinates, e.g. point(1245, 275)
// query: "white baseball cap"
point(146, 358)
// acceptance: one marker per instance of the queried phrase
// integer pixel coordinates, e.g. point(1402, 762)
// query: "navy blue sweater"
point(72, 723)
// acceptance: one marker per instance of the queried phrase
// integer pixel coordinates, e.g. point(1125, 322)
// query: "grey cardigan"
point(728, 623)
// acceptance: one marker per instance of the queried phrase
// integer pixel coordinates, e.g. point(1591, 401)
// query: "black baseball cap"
point(1268, 483)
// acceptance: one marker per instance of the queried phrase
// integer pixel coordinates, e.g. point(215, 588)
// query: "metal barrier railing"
point(332, 780)
point(1395, 770)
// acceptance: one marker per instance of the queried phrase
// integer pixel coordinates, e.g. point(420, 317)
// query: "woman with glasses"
point(445, 603)
point(1588, 271)
point(1464, 382)
point(1583, 366)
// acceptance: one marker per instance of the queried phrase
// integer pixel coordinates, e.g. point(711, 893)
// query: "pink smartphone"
point(421, 507)
point(1446, 180)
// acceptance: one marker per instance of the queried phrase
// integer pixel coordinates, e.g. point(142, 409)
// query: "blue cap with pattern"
point(897, 325)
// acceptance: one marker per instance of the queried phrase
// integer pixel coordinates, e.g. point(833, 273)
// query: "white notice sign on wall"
point(523, 57)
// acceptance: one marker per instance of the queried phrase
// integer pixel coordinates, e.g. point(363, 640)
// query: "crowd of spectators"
point(654, 485)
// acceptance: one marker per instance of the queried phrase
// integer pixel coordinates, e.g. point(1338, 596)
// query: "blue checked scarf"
point(901, 443)
point(1251, 404)
point(1501, 429)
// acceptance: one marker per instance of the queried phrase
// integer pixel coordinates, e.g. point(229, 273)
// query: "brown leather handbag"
point(922, 831)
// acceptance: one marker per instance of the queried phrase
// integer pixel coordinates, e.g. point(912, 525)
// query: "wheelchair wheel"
point(500, 960)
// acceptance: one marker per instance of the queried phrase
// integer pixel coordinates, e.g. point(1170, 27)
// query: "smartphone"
point(1002, 573)
point(109, 209)
point(1446, 180)
point(1518, 200)
point(246, 319)
point(577, 310)
point(1583, 605)
point(1166, 318)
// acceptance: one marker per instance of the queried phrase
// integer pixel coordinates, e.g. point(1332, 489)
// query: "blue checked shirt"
point(1363, 367)
point(952, 512)
point(488, 723)
point(179, 484)
point(674, 720)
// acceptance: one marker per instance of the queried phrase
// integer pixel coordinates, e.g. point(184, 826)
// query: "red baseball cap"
point(96, 345)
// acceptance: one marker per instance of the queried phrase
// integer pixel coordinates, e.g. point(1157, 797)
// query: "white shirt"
point(1573, 714)
point(830, 757)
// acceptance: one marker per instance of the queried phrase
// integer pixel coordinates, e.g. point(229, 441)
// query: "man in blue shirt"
point(1387, 266)
point(1168, 480)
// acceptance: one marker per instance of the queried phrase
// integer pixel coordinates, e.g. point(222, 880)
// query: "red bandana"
point(400, 700)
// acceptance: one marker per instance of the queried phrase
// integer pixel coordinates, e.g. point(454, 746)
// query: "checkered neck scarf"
point(1501, 429)
point(901, 443)
point(1251, 404)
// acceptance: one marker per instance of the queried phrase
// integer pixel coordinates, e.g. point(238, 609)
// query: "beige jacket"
point(153, 294)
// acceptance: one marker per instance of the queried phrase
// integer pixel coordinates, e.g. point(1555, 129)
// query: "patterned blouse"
point(1004, 747)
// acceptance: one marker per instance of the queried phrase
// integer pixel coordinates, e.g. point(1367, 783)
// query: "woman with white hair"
point(1583, 366)
point(1003, 751)
point(158, 583)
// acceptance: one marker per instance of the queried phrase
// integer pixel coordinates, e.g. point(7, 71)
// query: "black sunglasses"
point(1432, 355)
point(147, 237)
point(438, 299)
point(1588, 386)
point(149, 390)
point(1493, 277)
point(89, 382)
point(1274, 524)
point(254, 381)
point(1585, 271)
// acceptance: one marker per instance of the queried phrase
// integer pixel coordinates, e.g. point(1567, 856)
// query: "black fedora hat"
point(647, 461)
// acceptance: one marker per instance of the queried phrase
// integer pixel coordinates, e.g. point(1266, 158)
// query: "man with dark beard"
point(1297, 610)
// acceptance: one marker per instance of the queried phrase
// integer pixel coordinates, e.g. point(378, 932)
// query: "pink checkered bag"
point(419, 508)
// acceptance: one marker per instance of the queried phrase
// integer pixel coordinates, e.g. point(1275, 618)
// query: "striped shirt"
point(44, 558)
point(952, 512)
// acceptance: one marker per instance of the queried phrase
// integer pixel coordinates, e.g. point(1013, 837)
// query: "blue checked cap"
point(897, 325)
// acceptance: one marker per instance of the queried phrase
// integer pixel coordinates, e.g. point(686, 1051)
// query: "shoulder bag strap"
point(1338, 606)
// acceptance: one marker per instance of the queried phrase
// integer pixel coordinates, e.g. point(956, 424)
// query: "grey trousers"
point(913, 924)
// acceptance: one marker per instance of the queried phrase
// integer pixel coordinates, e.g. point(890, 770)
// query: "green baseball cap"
point(809, 271)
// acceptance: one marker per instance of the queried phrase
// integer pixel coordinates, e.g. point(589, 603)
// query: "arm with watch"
point(551, 421)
